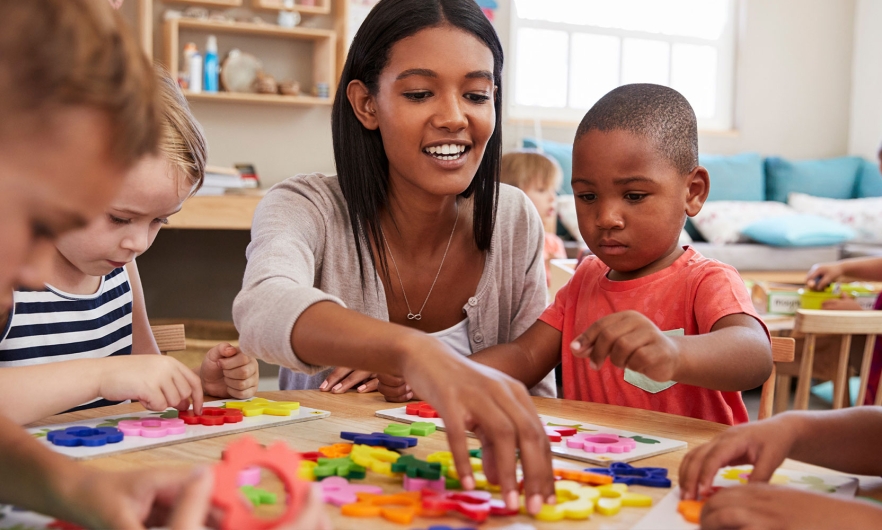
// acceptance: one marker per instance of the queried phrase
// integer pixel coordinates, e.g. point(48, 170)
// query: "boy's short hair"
point(181, 138)
point(56, 54)
point(656, 112)
point(528, 167)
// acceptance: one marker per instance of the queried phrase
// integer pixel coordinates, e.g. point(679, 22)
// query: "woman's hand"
point(496, 407)
point(764, 444)
point(394, 389)
point(823, 274)
point(342, 379)
point(227, 372)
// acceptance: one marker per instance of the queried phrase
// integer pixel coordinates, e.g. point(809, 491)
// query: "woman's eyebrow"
point(480, 74)
point(416, 71)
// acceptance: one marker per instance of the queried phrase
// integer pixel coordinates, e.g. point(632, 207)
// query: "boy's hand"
point(763, 444)
point(630, 340)
point(157, 381)
point(823, 274)
point(342, 379)
point(227, 372)
point(394, 389)
point(765, 506)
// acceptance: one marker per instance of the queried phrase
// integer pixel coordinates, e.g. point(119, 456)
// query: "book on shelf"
point(219, 179)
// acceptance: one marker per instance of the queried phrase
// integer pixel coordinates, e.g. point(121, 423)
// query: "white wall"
point(793, 81)
point(866, 94)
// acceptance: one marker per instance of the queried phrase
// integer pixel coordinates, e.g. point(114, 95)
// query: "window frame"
point(724, 115)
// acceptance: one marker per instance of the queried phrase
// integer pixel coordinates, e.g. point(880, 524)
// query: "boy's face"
point(51, 181)
point(631, 202)
point(151, 192)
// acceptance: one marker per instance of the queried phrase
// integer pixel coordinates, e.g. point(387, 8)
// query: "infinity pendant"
point(411, 316)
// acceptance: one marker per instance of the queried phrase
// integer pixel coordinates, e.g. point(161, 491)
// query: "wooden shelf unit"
point(324, 60)
point(208, 3)
point(322, 7)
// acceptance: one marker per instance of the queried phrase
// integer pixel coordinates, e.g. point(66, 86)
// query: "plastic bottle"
point(211, 65)
point(187, 67)
point(195, 73)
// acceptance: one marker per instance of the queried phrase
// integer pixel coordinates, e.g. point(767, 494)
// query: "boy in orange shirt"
point(644, 322)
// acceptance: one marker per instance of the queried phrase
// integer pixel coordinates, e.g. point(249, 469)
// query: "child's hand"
point(630, 340)
point(844, 303)
point(765, 506)
point(394, 389)
point(823, 274)
point(227, 372)
point(157, 381)
point(763, 444)
point(342, 379)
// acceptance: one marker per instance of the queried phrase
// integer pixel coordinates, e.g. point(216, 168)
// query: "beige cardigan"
point(302, 251)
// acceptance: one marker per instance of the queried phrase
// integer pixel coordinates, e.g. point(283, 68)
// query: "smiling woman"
point(413, 256)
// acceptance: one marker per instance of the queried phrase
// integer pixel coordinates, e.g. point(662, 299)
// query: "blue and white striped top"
point(51, 325)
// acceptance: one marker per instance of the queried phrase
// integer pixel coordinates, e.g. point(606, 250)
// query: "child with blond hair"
point(538, 176)
point(644, 322)
point(80, 329)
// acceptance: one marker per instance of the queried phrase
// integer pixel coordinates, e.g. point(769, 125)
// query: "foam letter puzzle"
point(249, 477)
point(341, 467)
point(85, 436)
point(152, 428)
point(601, 443)
point(584, 477)
point(245, 453)
point(379, 439)
point(258, 406)
point(417, 428)
point(420, 484)
point(476, 505)
point(335, 451)
point(257, 496)
point(211, 416)
point(421, 409)
point(338, 491)
point(415, 468)
point(377, 459)
point(623, 473)
point(398, 508)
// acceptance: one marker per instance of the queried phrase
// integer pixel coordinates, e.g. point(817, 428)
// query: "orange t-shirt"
point(692, 294)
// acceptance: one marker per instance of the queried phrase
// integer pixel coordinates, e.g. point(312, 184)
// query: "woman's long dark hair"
point(362, 166)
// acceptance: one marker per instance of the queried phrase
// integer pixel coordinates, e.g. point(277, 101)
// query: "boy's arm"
point(528, 358)
point(735, 355)
point(866, 269)
point(142, 335)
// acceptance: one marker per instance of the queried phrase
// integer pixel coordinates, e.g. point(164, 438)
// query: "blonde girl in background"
point(539, 177)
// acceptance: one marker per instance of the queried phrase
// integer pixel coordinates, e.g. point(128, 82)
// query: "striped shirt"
point(50, 325)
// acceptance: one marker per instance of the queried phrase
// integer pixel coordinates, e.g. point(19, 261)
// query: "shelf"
point(221, 212)
point(324, 7)
point(212, 3)
point(323, 57)
point(263, 99)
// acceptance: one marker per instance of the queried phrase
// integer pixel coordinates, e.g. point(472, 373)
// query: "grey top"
point(302, 251)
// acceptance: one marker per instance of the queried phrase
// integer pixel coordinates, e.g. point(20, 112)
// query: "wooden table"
point(355, 412)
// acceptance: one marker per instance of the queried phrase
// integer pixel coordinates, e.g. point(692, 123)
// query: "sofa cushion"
point(735, 178)
point(869, 181)
point(834, 178)
point(864, 216)
point(563, 153)
point(798, 230)
point(722, 221)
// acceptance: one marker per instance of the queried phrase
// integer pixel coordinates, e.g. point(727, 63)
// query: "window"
point(569, 53)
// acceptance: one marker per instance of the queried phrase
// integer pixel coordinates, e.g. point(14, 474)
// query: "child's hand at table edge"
point(766, 506)
point(394, 389)
point(227, 372)
point(764, 444)
point(629, 340)
point(341, 379)
point(497, 408)
point(157, 381)
point(823, 274)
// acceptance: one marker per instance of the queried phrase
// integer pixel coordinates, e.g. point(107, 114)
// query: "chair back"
point(169, 337)
point(782, 352)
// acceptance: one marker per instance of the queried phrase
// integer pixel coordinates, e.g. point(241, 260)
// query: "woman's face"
point(434, 109)
point(51, 181)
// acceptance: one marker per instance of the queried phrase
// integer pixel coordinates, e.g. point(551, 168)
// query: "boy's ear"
point(697, 188)
point(363, 104)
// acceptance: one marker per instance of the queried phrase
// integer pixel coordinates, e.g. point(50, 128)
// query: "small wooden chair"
point(169, 337)
point(845, 324)
point(782, 352)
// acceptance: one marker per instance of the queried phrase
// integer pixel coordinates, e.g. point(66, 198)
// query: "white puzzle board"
point(647, 445)
point(193, 432)
point(664, 515)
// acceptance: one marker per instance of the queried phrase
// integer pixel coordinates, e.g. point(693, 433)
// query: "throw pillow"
point(561, 152)
point(869, 182)
point(864, 216)
point(735, 178)
point(722, 221)
point(832, 177)
point(798, 230)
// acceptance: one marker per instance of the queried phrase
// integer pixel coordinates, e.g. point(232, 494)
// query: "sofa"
point(767, 213)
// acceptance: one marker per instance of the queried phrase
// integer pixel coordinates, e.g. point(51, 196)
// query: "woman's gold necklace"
point(419, 314)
